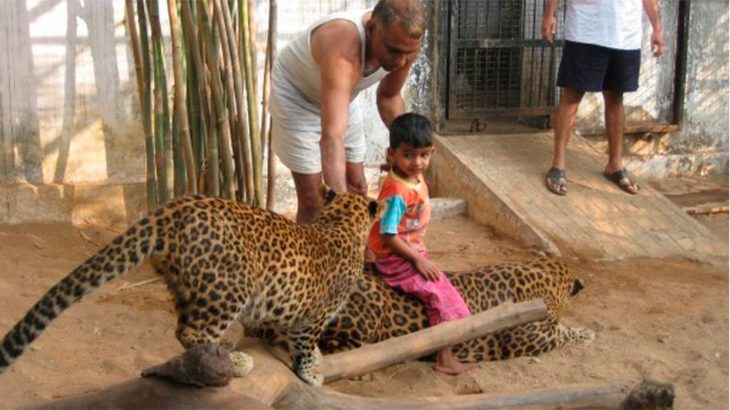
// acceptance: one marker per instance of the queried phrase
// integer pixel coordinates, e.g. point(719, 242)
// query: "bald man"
point(317, 127)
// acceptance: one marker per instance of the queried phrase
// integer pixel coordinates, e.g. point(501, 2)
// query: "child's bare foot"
point(448, 364)
point(453, 370)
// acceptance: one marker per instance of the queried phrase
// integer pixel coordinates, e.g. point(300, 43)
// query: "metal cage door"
point(498, 62)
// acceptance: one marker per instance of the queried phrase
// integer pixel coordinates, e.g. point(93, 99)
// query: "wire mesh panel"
point(498, 62)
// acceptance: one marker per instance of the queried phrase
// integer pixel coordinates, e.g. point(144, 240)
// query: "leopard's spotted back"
point(223, 260)
point(376, 312)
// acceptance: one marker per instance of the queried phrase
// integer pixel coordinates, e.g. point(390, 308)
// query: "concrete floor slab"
point(502, 177)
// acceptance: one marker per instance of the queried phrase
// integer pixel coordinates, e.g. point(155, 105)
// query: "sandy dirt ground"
point(661, 319)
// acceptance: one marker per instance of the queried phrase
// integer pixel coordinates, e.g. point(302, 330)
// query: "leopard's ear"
point(326, 194)
point(578, 284)
point(377, 208)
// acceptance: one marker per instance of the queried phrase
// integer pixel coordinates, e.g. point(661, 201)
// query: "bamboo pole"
point(195, 113)
point(223, 125)
point(177, 155)
point(211, 164)
point(141, 70)
point(232, 100)
point(248, 50)
point(253, 173)
point(235, 100)
point(163, 138)
point(180, 104)
point(200, 98)
point(266, 133)
point(254, 64)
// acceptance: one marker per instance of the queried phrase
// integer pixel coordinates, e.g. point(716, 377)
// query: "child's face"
point(409, 162)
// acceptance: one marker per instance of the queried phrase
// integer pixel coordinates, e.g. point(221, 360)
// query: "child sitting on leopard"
point(397, 239)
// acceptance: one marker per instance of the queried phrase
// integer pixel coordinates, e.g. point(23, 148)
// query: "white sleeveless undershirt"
point(298, 65)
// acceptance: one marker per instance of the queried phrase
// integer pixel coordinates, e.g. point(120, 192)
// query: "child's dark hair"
point(412, 129)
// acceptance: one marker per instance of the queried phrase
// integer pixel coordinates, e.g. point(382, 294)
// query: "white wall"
point(68, 99)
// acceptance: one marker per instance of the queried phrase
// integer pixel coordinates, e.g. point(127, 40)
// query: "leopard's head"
point(357, 210)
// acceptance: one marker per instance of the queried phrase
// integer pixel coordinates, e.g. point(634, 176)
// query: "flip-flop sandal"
point(556, 176)
point(620, 175)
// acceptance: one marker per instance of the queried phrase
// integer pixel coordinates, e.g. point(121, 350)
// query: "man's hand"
point(427, 268)
point(651, 8)
point(549, 27)
point(549, 22)
point(657, 43)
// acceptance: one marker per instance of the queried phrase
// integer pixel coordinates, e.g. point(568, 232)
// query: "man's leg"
point(614, 102)
point(564, 120)
point(308, 200)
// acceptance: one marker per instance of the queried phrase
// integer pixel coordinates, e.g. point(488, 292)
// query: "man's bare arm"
point(335, 47)
point(651, 8)
point(389, 100)
point(549, 22)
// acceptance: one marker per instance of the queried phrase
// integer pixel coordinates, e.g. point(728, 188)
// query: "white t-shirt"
point(608, 23)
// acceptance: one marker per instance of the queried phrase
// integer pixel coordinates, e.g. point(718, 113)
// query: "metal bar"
point(541, 81)
point(504, 43)
point(498, 84)
point(502, 111)
point(442, 47)
point(638, 128)
point(475, 33)
point(680, 67)
point(451, 69)
point(532, 101)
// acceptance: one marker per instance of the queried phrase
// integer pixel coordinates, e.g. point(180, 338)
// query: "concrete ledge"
point(442, 208)
point(104, 204)
point(502, 179)
point(451, 177)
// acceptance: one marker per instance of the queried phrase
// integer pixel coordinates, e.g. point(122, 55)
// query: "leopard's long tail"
point(126, 251)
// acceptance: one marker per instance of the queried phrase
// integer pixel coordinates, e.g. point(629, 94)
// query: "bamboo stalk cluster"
point(203, 137)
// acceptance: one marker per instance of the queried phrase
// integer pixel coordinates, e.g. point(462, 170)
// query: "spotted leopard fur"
point(223, 260)
point(376, 312)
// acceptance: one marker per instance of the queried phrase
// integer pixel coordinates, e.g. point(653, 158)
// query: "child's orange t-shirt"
point(407, 214)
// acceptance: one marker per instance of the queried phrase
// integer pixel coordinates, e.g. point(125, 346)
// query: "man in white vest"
point(602, 53)
point(317, 125)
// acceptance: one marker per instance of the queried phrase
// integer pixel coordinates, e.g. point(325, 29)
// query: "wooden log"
point(418, 344)
point(273, 384)
point(271, 380)
point(146, 393)
point(645, 395)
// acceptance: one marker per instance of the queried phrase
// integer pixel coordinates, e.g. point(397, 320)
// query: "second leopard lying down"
point(375, 312)
point(223, 260)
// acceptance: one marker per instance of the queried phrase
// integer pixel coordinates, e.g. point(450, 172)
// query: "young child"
point(397, 239)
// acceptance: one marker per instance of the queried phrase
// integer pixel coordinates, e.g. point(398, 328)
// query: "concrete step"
point(502, 179)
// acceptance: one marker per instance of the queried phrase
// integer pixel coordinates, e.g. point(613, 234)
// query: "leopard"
point(376, 312)
point(224, 261)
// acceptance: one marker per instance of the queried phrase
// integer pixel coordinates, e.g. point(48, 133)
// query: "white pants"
point(297, 130)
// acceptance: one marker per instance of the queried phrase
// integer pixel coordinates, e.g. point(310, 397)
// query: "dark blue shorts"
point(588, 67)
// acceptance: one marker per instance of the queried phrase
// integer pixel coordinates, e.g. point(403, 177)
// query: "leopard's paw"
point(312, 377)
point(585, 336)
point(316, 357)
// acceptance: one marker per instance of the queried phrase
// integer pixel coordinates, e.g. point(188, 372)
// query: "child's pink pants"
point(442, 301)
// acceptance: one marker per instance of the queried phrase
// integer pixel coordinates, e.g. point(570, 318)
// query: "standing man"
point(317, 126)
point(602, 53)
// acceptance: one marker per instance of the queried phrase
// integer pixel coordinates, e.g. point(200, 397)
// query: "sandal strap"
point(556, 173)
